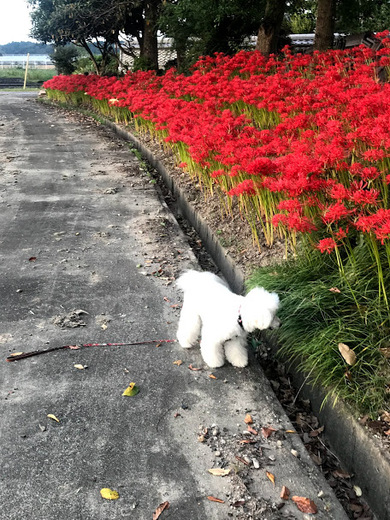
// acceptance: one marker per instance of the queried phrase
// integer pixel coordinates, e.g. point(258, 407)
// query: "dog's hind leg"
point(236, 352)
point(189, 326)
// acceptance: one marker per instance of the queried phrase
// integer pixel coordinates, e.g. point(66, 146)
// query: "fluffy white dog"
point(224, 318)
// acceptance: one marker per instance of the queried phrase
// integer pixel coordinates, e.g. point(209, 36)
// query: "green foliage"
point(362, 15)
point(206, 26)
point(319, 310)
point(33, 74)
point(65, 58)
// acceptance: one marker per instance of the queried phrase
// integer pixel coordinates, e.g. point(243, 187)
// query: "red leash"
point(77, 347)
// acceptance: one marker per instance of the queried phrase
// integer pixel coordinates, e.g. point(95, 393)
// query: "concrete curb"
point(357, 451)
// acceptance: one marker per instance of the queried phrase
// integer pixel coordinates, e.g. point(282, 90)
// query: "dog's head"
point(258, 310)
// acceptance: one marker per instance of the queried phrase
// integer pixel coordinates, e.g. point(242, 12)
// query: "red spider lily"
point(305, 136)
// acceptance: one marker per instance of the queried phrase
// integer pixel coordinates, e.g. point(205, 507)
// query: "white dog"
point(223, 317)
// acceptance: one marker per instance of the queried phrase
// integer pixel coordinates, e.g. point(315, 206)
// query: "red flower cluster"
point(307, 135)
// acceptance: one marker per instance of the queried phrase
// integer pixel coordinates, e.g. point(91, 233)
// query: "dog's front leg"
point(236, 352)
point(212, 353)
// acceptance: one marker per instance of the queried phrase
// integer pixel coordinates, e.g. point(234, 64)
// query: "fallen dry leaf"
point(271, 477)
point(252, 430)
point(340, 474)
point(109, 494)
point(266, 432)
point(193, 368)
point(32, 258)
point(305, 505)
point(348, 354)
point(242, 460)
point(131, 390)
point(290, 431)
point(178, 362)
point(51, 416)
point(248, 419)
point(212, 376)
point(213, 499)
point(285, 493)
point(159, 510)
point(335, 290)
point(316, 432)
point(385, 416)
point(219, 472)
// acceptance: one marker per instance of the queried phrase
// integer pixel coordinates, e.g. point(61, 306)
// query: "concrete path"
point(89, 253)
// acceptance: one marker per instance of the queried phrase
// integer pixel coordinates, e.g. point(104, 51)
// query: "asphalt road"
point(83, 229)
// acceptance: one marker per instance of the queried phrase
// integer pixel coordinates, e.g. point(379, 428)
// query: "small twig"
point(76, 347)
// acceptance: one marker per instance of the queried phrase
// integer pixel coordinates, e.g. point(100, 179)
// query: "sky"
point(15, 21)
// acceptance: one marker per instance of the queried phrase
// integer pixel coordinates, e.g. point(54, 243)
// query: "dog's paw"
point(239, 360)
point(185, 344)
point(214, 361)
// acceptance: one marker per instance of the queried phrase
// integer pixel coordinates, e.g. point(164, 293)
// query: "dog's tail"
point(192, 280)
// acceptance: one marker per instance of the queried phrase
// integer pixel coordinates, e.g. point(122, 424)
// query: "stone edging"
point(357, 451)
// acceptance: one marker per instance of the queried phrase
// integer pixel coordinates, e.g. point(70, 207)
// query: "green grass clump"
point(32, 74)
point(320, 309)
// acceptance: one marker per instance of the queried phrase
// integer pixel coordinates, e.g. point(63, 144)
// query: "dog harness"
point(239, 319)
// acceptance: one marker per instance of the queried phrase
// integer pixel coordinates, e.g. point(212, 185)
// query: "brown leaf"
point(252, 430)
point(305, 505)
point(348, 354)
point(267, 431)
point(285, 493)
point(160, 509)
point(335, 290)
point(212, 376)
point(248, 419)
point(242, 460)
point(32, 258)
point(316, 432)
point(340, 474)
point(385, 351)
point(178, 362)
point(386, 417)
point(213, 499)
point(193, 368)
point(271, 477)
point(290, 431)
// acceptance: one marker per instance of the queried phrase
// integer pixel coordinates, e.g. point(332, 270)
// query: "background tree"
point(271, 24)
point(208, 26)
point(103, 24)
point(325, 24)
point(65, 58)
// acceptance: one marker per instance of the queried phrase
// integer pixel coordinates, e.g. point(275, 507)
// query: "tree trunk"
point(149, 50)
point(325, 25)
point(267, 37)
